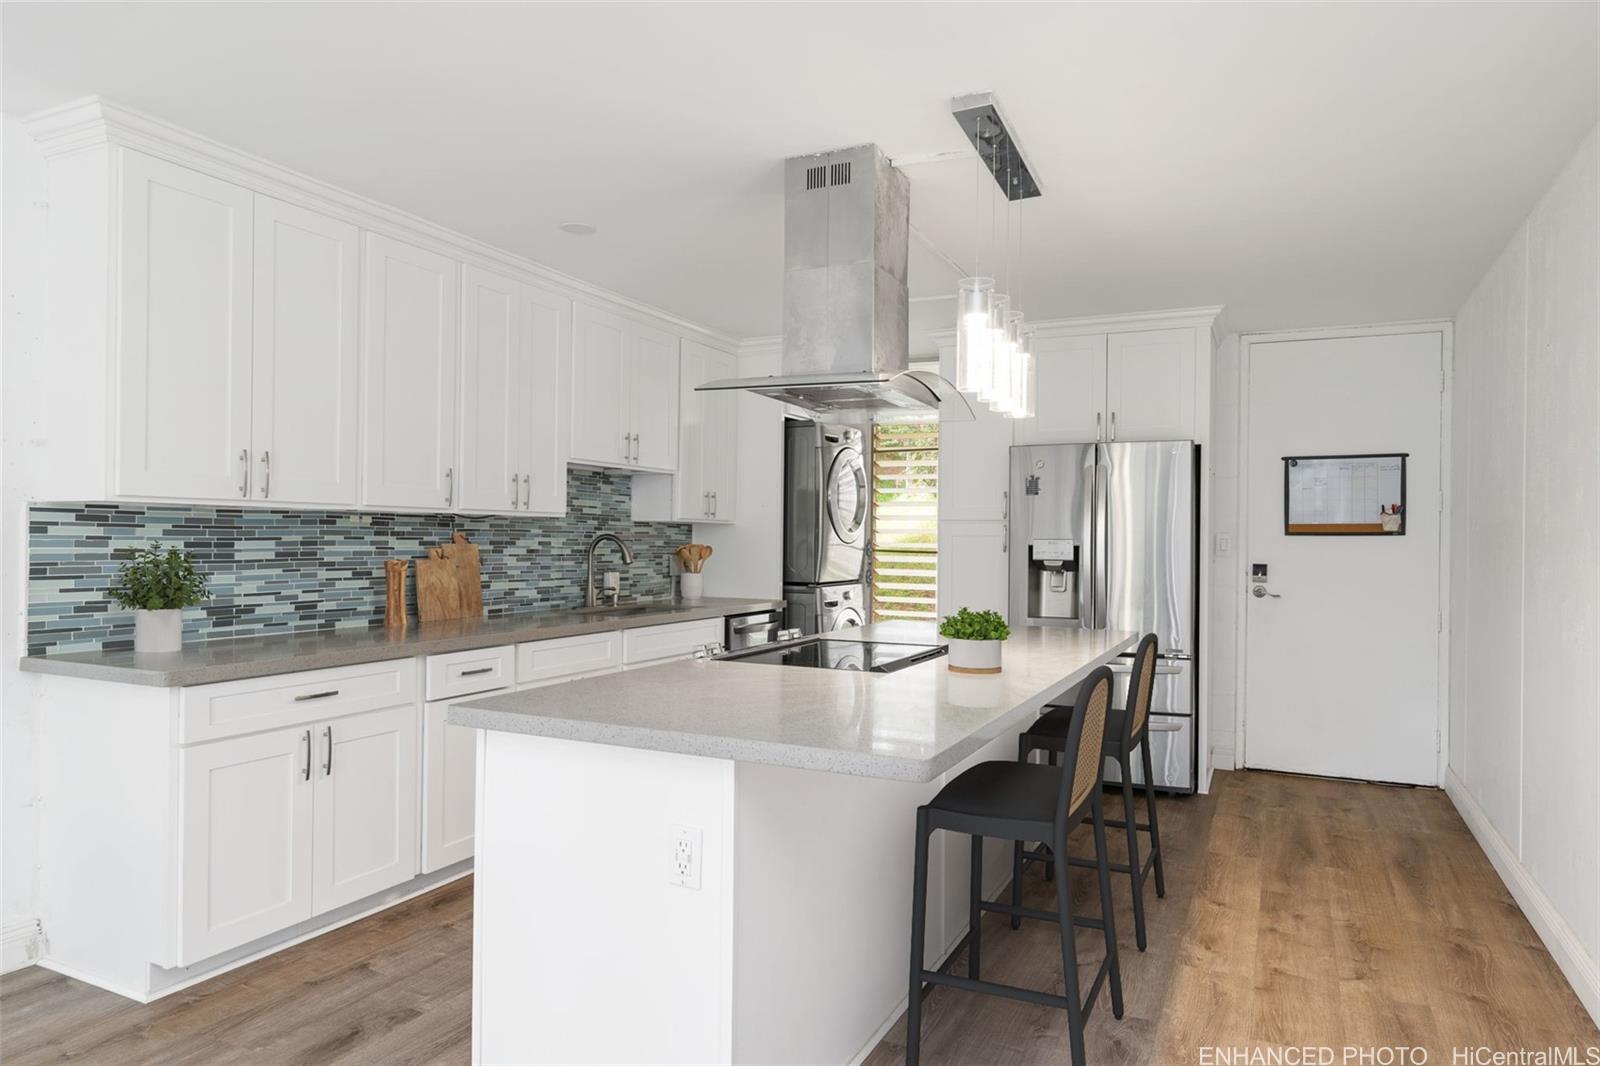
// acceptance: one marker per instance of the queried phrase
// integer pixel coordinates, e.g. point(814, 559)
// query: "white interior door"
point(1341, 675)
point(365, 806)
point(306, 411)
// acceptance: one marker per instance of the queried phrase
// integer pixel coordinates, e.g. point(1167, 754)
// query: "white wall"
point(1222, 636)
point(22, 223)
point(1525, 569)
point(747, 556)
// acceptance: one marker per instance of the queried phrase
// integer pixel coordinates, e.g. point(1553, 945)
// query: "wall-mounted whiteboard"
point(1343, 495)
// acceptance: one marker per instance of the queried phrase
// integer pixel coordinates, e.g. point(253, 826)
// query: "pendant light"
point(974, 300)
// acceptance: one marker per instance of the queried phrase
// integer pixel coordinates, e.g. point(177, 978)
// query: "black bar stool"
point(1124, 732)
point(1025, 801)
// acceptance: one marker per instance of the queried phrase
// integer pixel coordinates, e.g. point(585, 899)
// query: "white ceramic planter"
point(158, 631)
point(691, 587)
point(975, 656)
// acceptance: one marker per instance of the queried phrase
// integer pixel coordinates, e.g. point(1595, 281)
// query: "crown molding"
point(94, 122)
point(758, 346)
point(1176, 318)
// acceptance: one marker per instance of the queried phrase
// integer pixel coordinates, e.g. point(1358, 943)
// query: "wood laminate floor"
point(1299, 911)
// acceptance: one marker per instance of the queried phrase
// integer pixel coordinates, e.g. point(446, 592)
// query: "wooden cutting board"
point(449, 582)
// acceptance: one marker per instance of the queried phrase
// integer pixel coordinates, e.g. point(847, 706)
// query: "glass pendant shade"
point(1026, 407)
point(973, 298)
point(999, 312)
point(1006, 387)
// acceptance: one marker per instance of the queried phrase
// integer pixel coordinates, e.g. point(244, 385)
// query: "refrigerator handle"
point(1102, 535)
point(1089, 566)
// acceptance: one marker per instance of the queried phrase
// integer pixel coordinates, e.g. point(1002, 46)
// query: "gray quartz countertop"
point(206, 662)
point(910, 725)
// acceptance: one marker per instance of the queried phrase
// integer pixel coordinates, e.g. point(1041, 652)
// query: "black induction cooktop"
point(877, 657)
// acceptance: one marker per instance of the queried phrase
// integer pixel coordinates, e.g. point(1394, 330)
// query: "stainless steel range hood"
point(845, 343)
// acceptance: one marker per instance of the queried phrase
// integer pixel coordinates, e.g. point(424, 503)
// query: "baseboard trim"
point(1580, 970)
point(1222, 757)
point(21, 944)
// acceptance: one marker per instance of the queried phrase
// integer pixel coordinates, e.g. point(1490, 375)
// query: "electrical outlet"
point(683, 866)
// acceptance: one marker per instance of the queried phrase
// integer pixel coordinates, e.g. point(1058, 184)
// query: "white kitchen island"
point(795, 789)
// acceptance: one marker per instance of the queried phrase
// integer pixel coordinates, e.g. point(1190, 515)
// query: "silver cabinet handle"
point(527, 492)
point(636, 447)
point(1113, 425)
point(266, 474)
point(306, 772)
point(303, 697)
point(479, 670)
point(244, 472)
point(705, 504)
point(627, 447)
point(514, 491)
point(1097, 417)
point(327, 767)
point(449, 485)
point(1005, 522)
point(713, 505)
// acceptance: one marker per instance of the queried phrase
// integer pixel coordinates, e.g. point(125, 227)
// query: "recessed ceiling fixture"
point(577, 229)
point(993, 361)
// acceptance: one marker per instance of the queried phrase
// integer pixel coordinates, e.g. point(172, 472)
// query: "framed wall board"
point(1344, 495)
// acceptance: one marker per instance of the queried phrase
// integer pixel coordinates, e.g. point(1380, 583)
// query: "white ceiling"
point(1302, 164)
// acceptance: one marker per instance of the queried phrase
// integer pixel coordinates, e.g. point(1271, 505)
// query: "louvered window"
point(905, 520)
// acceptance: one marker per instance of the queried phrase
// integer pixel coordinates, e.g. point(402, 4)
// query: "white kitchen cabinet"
point(972, 566)
point(365, 806)
point(494, 384)
point(305, 419)
point(974, 461)
point(1133, 385)
point(1150, 385)
point(183, 334)
point(1070, 388)
point(675, 640)
point(624, 392)
point(704, 487)
point(449, 774)
point(547, 332)
point(409, 356)
point(244, 839)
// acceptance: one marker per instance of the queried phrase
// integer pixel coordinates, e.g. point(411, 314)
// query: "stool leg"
point(975, 913)
point(1124, 764)
point(1016, 883)
point(1069, 964)
point(1102, 859)
point(1049, 864)
point(919, 924)
point(1150, 804)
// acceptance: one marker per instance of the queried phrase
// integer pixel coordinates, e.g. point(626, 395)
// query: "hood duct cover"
point(846, 233)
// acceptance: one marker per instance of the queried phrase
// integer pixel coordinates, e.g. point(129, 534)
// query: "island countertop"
point(210, 661)
point(910, 725)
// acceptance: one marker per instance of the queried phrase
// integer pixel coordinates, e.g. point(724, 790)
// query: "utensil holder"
point(691, 587)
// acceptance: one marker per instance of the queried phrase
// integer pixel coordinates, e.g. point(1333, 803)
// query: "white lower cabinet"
point(675, 640)
point(278, 827)
point(449, 775)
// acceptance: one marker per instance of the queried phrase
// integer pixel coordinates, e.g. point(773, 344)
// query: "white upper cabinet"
point(624, 392)
point(1137, 385)
point(305, 423)
point(513, 374)
point(1070, 385)
point(494, 380)
point(1150, 387)
point(183, 352)
point(651, 384)
point(599, 435)
point(409, 367)
point(708, 442)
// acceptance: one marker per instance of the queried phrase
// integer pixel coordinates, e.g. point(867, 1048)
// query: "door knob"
point(1261, 590)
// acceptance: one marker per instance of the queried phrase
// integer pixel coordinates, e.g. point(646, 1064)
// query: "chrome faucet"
point(627, 560)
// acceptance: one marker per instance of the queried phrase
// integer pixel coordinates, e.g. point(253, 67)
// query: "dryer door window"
point(847, 495)
point(847, 618)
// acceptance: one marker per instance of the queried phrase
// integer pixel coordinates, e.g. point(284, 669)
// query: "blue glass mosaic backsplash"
point(293, 571)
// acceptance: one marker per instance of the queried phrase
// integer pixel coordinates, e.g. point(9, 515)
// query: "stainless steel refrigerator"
point(1105, 536)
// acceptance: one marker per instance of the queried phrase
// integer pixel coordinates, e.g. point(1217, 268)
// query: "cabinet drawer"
point(462, 673)
point(669, 641)
point(545, 660)
point(233, 708)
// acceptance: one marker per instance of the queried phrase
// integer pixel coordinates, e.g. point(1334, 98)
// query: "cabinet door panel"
point(245, 843)
point(492, 377)
point(409, 361)
point(1070, 380)
point(305, 424)
point(449, 754)
point(652, 387)
point(597, 400)
point(183, 359)
point(366, 805)
point(1150, 384)
point(721, 414)
point(547, 388)
point(972, 566)
point(692, 487)
point(974, 461)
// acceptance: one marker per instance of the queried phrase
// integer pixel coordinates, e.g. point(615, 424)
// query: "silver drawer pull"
point(303, 697)
point(479, 670)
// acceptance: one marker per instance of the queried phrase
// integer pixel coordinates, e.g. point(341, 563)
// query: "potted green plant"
point(157, 584)
point(975, 640)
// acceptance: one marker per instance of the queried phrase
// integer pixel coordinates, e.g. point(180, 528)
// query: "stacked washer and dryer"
point(826, 531)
